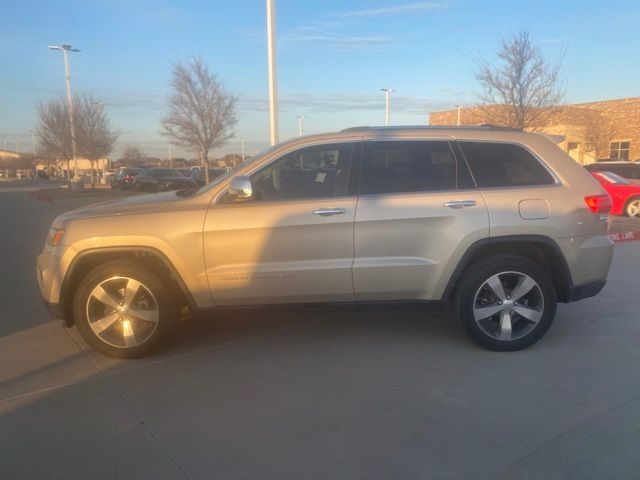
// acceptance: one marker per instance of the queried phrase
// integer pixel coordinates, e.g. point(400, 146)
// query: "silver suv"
point(499, 223)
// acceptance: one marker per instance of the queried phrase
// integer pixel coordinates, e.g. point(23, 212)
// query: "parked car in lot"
point(161, 180)
point(628, 170)
point(197, 174)
point(625, 196)
point(498, 223)
point(123, 180)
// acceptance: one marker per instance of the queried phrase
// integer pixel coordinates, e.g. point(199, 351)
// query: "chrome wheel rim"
point(633, 209)
point(508, 306)
point(122, 312)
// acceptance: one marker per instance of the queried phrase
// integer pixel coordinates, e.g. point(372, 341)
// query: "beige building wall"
point(589, 128)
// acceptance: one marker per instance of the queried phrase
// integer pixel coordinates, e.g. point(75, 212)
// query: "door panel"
point(276, 252)
point(407, 246)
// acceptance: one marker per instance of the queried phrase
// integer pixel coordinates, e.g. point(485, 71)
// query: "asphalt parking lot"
point(380, 393)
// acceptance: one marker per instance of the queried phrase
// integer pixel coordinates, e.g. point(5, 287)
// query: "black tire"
point(152, 299)
point(540, 301)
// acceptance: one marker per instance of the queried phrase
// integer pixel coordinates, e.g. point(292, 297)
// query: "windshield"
point(231, 172)
point(614, 178)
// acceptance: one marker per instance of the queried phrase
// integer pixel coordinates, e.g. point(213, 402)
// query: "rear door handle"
point(460, 203)
point(325, 212)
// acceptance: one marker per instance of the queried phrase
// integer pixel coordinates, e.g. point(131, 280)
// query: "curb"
point(625, 236)
point(40, 195)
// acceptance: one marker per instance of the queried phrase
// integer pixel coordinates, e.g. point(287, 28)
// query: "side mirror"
point(240, 188)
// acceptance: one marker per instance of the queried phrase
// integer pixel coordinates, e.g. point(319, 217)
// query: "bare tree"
point(94, 136)
point(134, 156)
point(599, 132)
point(201, 112)
point(521, 86)
point(53, 130)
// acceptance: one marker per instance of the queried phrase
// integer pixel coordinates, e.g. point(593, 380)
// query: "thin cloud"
point(340, 103)
point(309, 37)
point(405, 9)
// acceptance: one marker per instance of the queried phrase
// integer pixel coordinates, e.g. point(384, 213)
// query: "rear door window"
point(504, 165)
point(411, 166)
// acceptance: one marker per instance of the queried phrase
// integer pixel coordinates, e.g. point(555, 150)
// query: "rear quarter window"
point(504, 165)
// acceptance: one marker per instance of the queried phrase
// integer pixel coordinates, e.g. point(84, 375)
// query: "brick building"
point(594, 130)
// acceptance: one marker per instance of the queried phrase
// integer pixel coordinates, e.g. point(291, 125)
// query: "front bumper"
point(54, 309)
point(51, 266)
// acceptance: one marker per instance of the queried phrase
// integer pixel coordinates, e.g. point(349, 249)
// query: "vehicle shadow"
point(396, 323)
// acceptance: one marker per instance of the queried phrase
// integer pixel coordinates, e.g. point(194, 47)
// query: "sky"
point(333, 57)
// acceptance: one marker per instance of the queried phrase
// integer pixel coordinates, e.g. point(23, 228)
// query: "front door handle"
point(325, 212)
point(460, 203)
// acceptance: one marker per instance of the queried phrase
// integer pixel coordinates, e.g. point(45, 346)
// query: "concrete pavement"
point(316, 394)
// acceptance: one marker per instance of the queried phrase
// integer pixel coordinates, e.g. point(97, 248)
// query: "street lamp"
point(65, 49)
point(387, 95)
point(242, 149)
point(271, 56)
point(17, 157)
point(458, 107)
point(33, 141)
point(300, 124)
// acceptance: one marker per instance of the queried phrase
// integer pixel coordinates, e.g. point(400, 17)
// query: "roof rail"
point(431, 127)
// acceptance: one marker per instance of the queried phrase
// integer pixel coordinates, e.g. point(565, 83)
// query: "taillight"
point(599, 204)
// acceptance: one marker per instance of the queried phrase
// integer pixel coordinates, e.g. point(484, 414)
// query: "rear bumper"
point(586, 290)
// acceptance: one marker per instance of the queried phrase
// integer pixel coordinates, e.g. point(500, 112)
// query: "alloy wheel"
point(122, 312)
point(633, 208)
point(508, 305)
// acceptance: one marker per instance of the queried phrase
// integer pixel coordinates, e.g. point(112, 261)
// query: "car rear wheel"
point(632, 208)
point(123, 310)
point(506, 302)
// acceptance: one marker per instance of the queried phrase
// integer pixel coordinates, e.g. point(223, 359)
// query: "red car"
point(624, 194)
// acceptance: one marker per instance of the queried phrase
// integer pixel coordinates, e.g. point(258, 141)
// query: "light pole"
point(458, 107)
point(15, 139)
point(33, 141)
point(300, 124)
point(271, 55)
point(101, 105)
point(242, 148)
point(387, 95)
point(65, 49)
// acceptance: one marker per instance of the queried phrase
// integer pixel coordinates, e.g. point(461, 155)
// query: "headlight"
point(55, 236)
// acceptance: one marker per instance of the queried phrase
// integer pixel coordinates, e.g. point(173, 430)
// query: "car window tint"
point(614, 178)
point(312, 172)
point(504, 165)
point(407, 166)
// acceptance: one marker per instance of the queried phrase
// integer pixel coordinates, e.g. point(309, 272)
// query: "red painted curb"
point(625, 236)
point(40, 195)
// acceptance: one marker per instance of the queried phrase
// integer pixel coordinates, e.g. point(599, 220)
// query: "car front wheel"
point(506, 302)
point(123, 310)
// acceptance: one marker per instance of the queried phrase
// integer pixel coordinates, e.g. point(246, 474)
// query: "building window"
point(619, 150)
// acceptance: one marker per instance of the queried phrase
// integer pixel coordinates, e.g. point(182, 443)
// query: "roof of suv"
point(616, 162)
point(449, 132)
point(427, 128)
